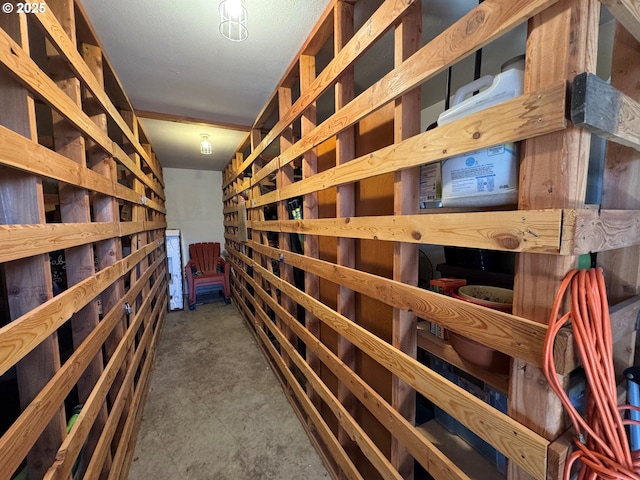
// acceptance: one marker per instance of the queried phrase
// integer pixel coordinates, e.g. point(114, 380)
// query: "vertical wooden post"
point(28, 281)
point(620, 191)
point(74, 208)
point(553, 174)
point(284, 177)
point(345, 207)
point(405, 256)
point(310, 211)
point(105, 209)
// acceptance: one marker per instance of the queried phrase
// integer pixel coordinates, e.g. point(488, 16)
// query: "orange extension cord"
point(603, 447)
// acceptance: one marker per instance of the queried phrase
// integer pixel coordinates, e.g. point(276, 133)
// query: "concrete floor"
point(215, 409)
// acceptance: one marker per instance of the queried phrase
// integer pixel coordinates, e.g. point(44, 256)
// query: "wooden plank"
point(25, 430)
point(284, 177)
point(625, 320)
point(352, 47)
point(526, 116)
point(310, 210)
point(345, 207)
point(602, 230)
point(74, 209)
point(429, 456)
point(330, 441)
point(27, 71)
point(370, 450)
point(26, 332)
point(168, 117)
point(408, 39)
point(620, 191)
point(553, 174)
point(524, 447)
point(509, 334)
point(21, 153)
point(516, 231)
point(28, 282)
point(59, 36)
point(70, 448)
point(22, 241)
point(604, 110)
point(627, 12)
point(490, 20)
point(442, 349)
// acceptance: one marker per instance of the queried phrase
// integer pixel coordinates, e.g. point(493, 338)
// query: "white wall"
point(194, 206)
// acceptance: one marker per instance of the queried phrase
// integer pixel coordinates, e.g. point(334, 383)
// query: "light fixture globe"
point(233, 20)
point(205, 145)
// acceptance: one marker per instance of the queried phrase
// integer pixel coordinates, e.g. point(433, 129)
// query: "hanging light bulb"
point(233, 20)
point(205, 145)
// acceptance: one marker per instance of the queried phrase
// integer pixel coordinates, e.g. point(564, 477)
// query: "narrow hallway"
point(215, 409)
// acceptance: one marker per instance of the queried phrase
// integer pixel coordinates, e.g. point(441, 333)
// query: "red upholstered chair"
point(206, 269)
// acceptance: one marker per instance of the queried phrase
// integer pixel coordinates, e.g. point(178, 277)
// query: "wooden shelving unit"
point(362, 226)
point(78, 178)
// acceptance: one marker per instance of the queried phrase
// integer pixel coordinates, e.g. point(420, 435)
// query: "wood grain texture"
point(14, 443)
point(20, 153)
point(604, 110)
point(66, 46)
point(525, 448)
point(627, 12)
point(352, 48)
point(27, 71)
point(480, 26)
point(70, 448)
point(526, 116)
point(599, 231)
point(512, 335)
point(517, 231)
point(425, 452)
point(26, 332)
point(553, 174)
point(22, 241)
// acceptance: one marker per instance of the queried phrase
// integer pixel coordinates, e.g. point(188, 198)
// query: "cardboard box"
point(482, 178)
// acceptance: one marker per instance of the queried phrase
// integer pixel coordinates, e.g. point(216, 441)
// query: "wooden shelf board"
point(459, 452)
point(442, 349)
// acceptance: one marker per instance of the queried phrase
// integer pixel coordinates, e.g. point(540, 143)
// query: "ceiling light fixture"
point(233, 20)
point(205, 145)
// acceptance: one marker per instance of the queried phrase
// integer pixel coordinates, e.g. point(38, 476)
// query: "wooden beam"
point(59, 35)
point(600, 230)
point(74, 206)
point(425, 452)
point(627, 12)
point(490, 20)
point(27, 71)
point(70, 449)
point(352, 48)
point(25, 430)
point(404, 336)
point(531, 231)
point(22, 241)
point(20, 153)
point(28, 282)
point(527, 116)
point(525, 448)
point(604, 110)
point(25, 333)
point(553, 174)
point(509, 334)
point(201, 122)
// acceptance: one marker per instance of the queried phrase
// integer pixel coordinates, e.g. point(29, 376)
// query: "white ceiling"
point(171, 59)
